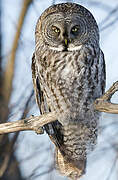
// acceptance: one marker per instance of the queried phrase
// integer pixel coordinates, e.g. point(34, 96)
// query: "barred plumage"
point(69, 74)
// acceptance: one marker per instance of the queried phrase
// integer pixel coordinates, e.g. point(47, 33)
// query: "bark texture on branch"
point(32, 123)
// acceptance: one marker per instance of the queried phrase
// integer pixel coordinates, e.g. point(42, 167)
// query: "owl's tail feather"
point(67, 168)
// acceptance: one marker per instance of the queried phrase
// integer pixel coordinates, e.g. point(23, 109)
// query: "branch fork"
point(103, 104)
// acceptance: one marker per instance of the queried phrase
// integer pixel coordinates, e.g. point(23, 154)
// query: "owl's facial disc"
point(64, 36)
point(66, 31)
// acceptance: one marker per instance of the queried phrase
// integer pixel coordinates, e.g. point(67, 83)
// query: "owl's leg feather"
point(67, 168)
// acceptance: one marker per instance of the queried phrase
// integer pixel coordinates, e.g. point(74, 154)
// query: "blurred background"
point(26, 155)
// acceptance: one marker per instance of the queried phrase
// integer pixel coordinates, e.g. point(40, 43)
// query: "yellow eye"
point(75, 30)
point(56, 30)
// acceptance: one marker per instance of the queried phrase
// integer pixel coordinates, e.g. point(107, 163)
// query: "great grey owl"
point(68, 73)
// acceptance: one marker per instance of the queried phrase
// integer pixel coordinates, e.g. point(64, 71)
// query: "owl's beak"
point(66, 42)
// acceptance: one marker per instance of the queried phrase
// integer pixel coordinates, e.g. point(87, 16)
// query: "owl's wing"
point(34, 79)
point(103, 71)
point(53, 129)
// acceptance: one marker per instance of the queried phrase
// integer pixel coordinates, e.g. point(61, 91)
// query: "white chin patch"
point(76, 48)
point(60, 48)
point(70, 48)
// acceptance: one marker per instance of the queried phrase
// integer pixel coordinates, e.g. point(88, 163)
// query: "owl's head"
point(66, 27)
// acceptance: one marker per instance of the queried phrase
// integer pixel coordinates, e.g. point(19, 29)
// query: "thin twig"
point(106, 23)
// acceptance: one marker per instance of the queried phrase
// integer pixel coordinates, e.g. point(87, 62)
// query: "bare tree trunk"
point(9, 167)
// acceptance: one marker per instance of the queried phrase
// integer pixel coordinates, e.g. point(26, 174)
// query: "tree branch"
point(102, 104)
point(32, 123)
